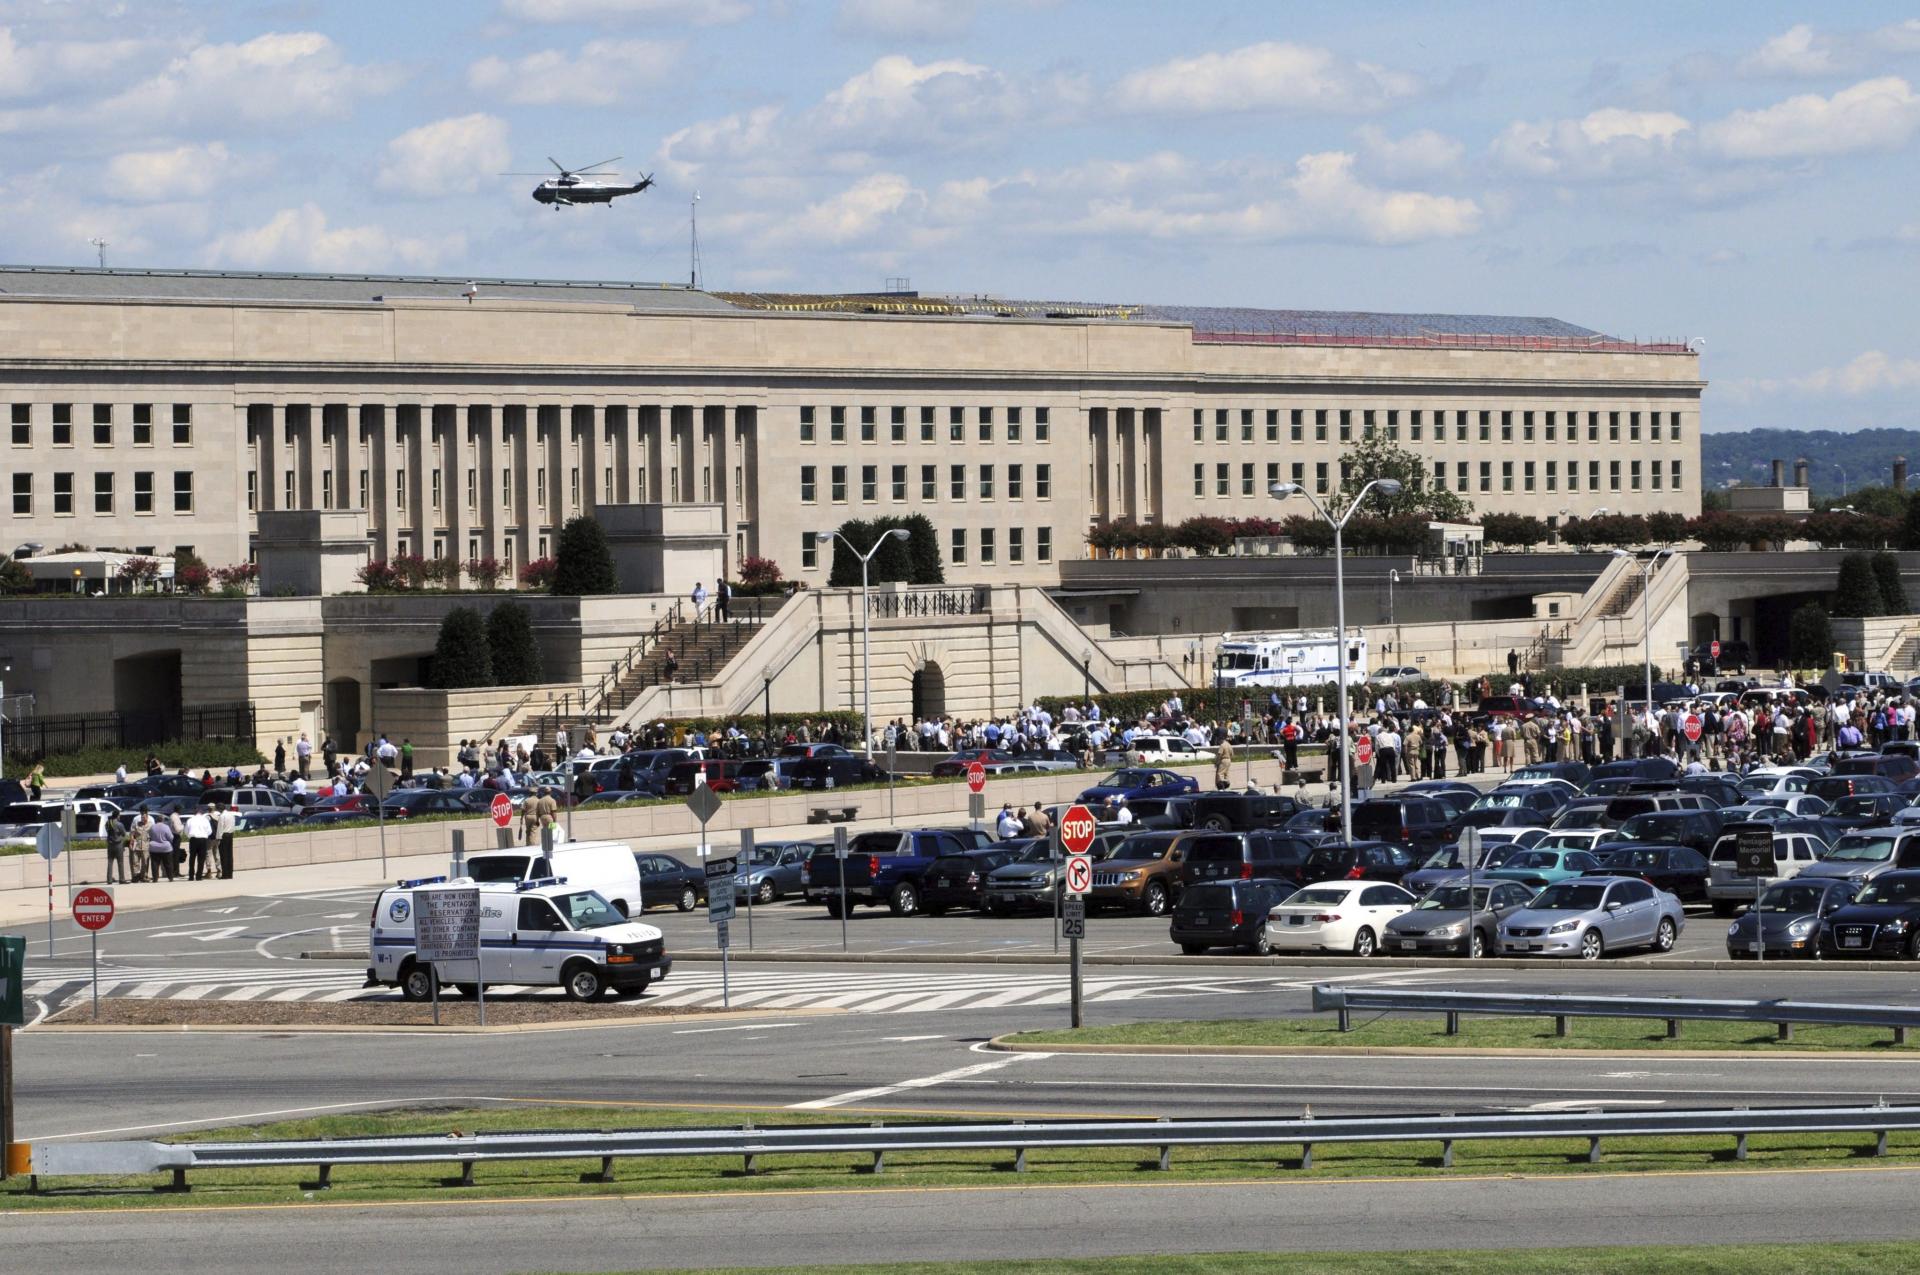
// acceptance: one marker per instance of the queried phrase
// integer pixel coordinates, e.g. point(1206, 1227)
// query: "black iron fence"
point(912, 603)
point(38, 736)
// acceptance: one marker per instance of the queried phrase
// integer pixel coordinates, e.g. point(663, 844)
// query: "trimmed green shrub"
point(510, 643)
point(1893, 594)
point(461, 657)
point(582, 562)
point(1857, 592)
point(101, 759)
point(1810, 637)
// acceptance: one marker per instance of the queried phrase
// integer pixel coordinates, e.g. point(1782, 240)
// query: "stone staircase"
point(1906, 656)
point(1625, 596)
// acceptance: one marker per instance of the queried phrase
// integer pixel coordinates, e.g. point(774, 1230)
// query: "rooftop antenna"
point(693, 254)
point(100, 245)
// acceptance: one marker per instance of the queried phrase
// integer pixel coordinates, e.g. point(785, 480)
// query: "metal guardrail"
point(1782, 1013)
point(108, 1159)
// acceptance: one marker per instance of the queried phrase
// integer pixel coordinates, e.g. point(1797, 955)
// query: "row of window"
point(1474, 426)
point(1016, 487)
point(364, 487)
point(104, 493)
point(1529, 475)
point(985, 541)
point(1011, 428)
point(21, 424)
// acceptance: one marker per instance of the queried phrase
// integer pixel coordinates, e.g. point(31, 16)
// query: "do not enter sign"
point(976, 777)
point(93, 909)
point(1691, 728)
point(1076, 830)
point(501, 809)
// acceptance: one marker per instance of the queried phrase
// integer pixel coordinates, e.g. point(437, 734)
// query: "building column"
point(1126, 436)
point(311, 428)
point(1099, 485)
point(585, 428)
point(650, 465)
point(376, 429)
point(747, 434)
point(617, 432)
point(264, 425)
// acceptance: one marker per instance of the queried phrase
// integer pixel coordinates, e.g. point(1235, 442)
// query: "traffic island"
point(510, 1013)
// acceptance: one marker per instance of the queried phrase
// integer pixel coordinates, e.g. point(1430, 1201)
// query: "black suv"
point(1358, 861)
point(1421, 823)
point(1240, 811)
point(1225, 914)
point(1242, 855)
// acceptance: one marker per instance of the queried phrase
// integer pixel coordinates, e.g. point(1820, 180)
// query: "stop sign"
point(1714, 649)
point(976, 776)
point(1076, 830)
point(501, 809)
point(1363, 750)
point(93, 909)
point(1691, 728)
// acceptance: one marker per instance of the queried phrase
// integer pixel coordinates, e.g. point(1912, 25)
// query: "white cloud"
point(1795, 51)
point(182, 172)
point(852, 215)
point(610, 12)
point(1422, 153)
point(1868, 373)
point(1273, 76)
point(905, 19)
point(281, 78)
point(446, 157)
point(1605, 143)
point(60, 67)
point(1878, 114)
point(601, 74)
point(301, 239)
point(1900, 37)
point(740, 140)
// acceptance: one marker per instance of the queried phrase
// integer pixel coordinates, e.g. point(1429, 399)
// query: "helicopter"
point(572, 186)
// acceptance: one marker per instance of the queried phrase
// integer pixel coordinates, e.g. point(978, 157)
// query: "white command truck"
point(1305, 657)
point(542, 933)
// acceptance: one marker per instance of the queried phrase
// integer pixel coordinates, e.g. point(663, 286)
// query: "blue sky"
point(1742, 174)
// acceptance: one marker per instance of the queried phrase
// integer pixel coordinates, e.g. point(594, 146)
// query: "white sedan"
point(1336, 916)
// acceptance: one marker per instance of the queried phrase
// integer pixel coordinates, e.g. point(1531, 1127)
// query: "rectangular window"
point(838, 479)
point(1613, 475)
point(1415, 424)
point(1016, 481)
point(1460, 476)
point(253, 490)
point(1634, 476)
point(1460, 427)
point(1613, 427)
point(1299, 476)
point(1273, 425)
point(1653, 472)
point(1223, 479)
point(1593, 427)
point(433, 485)
point(1633, 427)
point(22, 425)
point(1043, 482)
point(103, 424)
point(506, 489)
point(1653, 427)
point(956, 424)
point(809, 489)
point(142, 424)
point(1552, 428)
point(291, 498)
point(1486, 475)
point(1674, 480)
point(183, 491)
point(869, 482)
point(1593, 476)
point(867, 424)
point(63, 424)
point(986, 424)
point(1016, 544)
point(809, 551)
point(1553, 475)
point(897, 424)
point(929, 482)
point(1366, 423)
point(1041, 425)
point(326, 489)
point(1346, 425)
point(23, 493)
point(1573, 475)
point(957, 553)
point(926, 424)
point(1199, 481)
point(1486, 427)
point(182, 424)
point(1439, 475)
point(957, 482)
point(1526, 427)
point(1013, 424)
point(1199, 425)
point(899, 482)
point(473, 487)
point(1673, 428)
point(806, 425)
point(837, 424)
point(63, 493)
point(1220, 424)
point(986, 545)
point(362, 488)
point(1043, 544)
point(1273, 474)
point(1526, 482)
point(1319, 424)
point(1296, 425)
point(1320, 478)
point(986, 482)
point(1393, 425)
point(103, 493)
point(1246, 436)
point(1246, 479)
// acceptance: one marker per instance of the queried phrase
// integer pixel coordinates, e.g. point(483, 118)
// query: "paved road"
point(986, 1224)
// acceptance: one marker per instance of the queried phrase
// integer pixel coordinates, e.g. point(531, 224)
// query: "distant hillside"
point(1863, 458)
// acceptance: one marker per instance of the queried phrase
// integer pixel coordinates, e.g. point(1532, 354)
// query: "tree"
point(1375, 456)
point(1205, 535)
point(1857, 592)
point(1513, 529)
point(1893, 594)
point(923, 544)
point(485, 573)
point(14, 577)
point(582, 562)
point(460, 656)
point(510, 643)
point(916, 560)
point(190, 574)
point(380, 577)
point(1910, 525)
point(1720, 532)
point(1810, 637)
point(139, 573)
point(537, 574)
point(1665, 527)
point(1875, 502)
point(759, 575)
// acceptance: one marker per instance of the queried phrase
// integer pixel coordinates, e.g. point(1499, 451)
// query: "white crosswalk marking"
point(865, 989)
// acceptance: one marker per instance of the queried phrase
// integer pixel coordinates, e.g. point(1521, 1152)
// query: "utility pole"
point(100, 245)
point(693, 241)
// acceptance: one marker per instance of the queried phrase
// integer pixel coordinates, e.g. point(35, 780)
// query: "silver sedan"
point(1590, 916)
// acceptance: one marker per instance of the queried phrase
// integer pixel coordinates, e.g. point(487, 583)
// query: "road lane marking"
point(924, 1082)
point(744, 1027)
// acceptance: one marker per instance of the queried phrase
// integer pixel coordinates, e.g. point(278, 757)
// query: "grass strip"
point(1476, 1032)
point(1740, 1259)
point(555, 1178)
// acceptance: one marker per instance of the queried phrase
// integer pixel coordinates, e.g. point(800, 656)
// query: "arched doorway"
point(929, 692)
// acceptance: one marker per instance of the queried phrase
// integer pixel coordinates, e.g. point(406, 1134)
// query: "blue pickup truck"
point(883, 867)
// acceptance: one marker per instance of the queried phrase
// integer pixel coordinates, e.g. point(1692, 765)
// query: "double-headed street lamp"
point(866, 625)
point(1646, 613)
point(1388, 487)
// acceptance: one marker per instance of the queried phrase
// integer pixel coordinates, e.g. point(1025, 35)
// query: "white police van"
point(540, 933)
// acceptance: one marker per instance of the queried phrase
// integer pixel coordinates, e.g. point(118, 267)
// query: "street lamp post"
point(6, 667)
point(1086, 676)
point(1388, 487)
point(1646, 612)
point(1393, 578)
point(766, 710)
point(866, 627)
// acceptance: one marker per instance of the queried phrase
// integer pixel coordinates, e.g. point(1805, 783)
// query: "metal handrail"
point(98, 1159)
point(1673, 1010)
point(493, 731)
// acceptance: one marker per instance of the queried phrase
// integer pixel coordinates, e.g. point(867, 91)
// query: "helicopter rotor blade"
point(557, 164)
point(598, 164)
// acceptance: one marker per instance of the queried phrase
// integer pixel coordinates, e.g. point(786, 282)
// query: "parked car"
point(1590, 917)
point(664, 879)
point(1540, 868)
point(1168, 750)
point(1868, 810)
point(1448, 864)
point(249, 798)
point(771, 872)
point(1868, 853)
point(1418, 823)
point(880, 867)
point(1584, 812)
point(1832, 788)
point(1674, 869)
point(813, 750)
point(1247, 855)
point(1895, 766)
point(1789, 916)
point(1335, 916)
point(1136, 782)
point(1636, 768)
point(1225, 914)
point(834, 770)
point(1696, 828)
point(411, 803)
point(1357, 861)
point(1142, 874)
point(1882, 920)
point(1500, 817)
point(1440, 924)
point(1240, 811)
point(1793, 853)
point(960, 880)
point(1170, 813)
point(1576, 773)
point(357, 804)
point(1542, 801)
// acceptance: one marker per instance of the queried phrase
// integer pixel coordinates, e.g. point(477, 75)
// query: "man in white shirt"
point(199, 835)
point(1007, 825)
point(223, 827)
